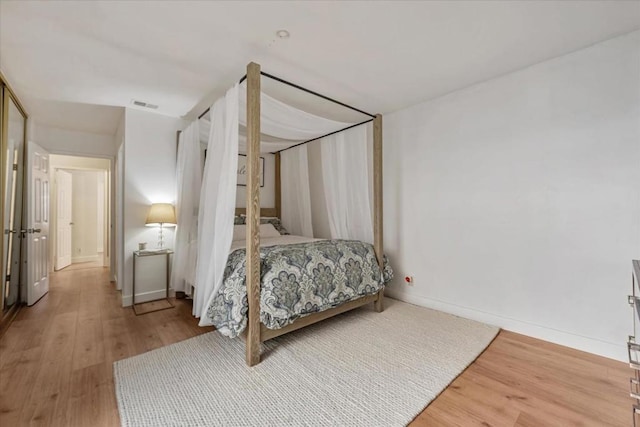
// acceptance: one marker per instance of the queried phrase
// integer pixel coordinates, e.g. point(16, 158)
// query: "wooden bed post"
point(253, 214)
point(278, 188)
point(377, 202)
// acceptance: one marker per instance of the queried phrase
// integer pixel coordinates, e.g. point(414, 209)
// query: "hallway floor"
point(57, 356)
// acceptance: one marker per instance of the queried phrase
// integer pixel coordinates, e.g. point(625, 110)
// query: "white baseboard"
point(590, 345)
point(92, 258)
point(146, 296)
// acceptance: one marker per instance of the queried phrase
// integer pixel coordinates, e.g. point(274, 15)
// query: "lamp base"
point(160, 238)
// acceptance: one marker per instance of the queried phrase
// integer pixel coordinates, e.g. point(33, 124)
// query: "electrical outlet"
point(408, 280)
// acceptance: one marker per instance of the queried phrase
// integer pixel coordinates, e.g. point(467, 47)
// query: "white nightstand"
point(151, 268)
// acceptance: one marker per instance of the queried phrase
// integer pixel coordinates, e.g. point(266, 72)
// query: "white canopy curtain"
point(282, 126)
point(217, 202)
point(268, 144)
point(296, 199)
point(280, 120)
point(345, 174)
point(189, 182)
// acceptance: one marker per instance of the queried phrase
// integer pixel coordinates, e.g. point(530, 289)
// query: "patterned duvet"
point(297, 280)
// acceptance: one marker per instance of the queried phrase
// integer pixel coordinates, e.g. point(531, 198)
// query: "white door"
point(64, 220)
point(37, 222)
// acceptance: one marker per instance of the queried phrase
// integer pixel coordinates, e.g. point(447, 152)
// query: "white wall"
point(517, 201)
point(149, 177)
point(268, 192)
point(64, 141)
point(79, 163)
point(85, 216)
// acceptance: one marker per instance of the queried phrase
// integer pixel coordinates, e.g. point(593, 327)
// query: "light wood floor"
point(56, 367)
point(83, 265)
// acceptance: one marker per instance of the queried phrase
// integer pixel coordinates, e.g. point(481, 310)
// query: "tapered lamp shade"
point(161, 213)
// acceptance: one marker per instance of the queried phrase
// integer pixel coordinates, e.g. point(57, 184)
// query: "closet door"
point(13, 126)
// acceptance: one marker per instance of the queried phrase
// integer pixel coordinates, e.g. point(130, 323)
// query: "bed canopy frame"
point(255, 332)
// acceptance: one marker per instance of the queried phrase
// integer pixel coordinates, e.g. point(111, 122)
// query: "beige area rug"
point(358, 369)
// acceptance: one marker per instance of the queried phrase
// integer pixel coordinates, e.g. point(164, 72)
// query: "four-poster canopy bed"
point(368, 258)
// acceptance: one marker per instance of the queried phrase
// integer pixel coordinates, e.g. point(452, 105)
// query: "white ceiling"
point(78, 116)
point(378, 56)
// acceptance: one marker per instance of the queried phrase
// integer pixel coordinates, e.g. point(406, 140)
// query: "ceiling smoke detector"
point(144, 104)
point(283, 34)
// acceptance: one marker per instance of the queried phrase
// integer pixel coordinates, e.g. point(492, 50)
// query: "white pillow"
point(266, 230)
point(239, 232)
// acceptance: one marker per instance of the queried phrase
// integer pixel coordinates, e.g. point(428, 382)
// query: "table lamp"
point(161, 214)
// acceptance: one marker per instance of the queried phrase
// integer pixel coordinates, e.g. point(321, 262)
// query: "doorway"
point(80, 212)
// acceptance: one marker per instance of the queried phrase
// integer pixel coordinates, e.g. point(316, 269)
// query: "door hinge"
point(15, 166)
point(8, 279)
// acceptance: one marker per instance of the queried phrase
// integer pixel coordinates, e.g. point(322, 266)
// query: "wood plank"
point(253, 214)
point(169, 330)
point(268, 334)
point(264, 212)
point(474, 385)
point(9, 317)
point(559, 385)
point(278, 188)
point(117, 340)
point(91, 397)
point(48, 403)
point(88, 348)
point(17, 382)
point(550, 376)
point(146, 331)
point(23, 335)
point(377, 202)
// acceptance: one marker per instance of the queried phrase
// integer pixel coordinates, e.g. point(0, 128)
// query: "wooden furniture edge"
point(263, 212)
point(252, 353)
point(267, 334)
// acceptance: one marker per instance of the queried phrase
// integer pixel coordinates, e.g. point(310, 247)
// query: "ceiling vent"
point(144, 104)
